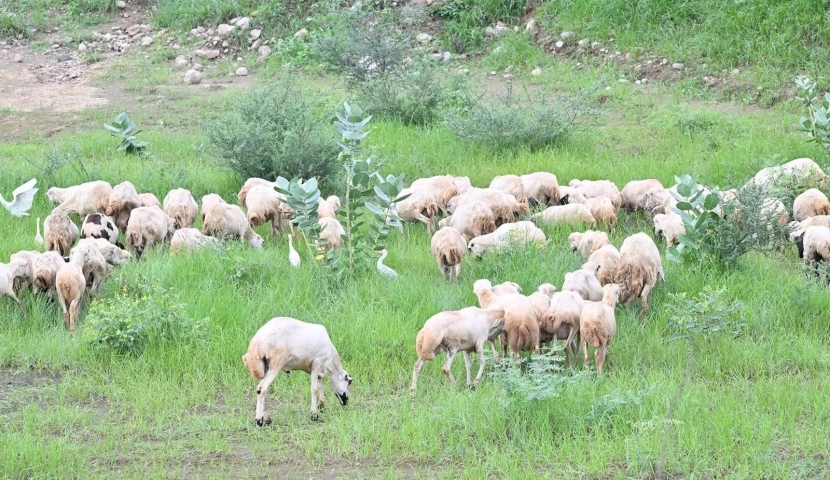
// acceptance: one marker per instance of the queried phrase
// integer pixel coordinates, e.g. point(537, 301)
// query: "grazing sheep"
point(70, 283)
point(95, 259)
point(603, 211)
point(561, 321)
point(511, 184)
point(45, 270)
point(584, 282)
point(472, 219)
point(800, 169)
point(17, 268)
point(506, 288)
point(123, 199)
point(420, 206)
point(190, 239)
point(443, 188)
point(264, 205)
point(816, 245)
point(572, 214)
point(147, 227)
point(659, 200)
point(541, 188)
point(328, 207)
point(89, 197)
point(98, 225)
point(332, 232)
point(249, 183)
point(59, 232)
point(809, 204)
point(286, 344)
point(210, 200)
point(149, 200)
point(448, 248)
point(464, 330)
point(598, 325)
point(668, 226)
point(608, 259)
point(521, 325)
point(507, 235)
point(797, 230)
point(180, 205)
point(640, 269)
point(599, 188)
point(505, 207)
point(568, 195)
point(634, 193)
point(588, 242)
point(30, 258)
point(229, 221)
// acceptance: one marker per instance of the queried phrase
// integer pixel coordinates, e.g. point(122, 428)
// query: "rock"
point(493, 73)
point(146, 41)
point(516, 29)
point(423, 38)
point(224, 30)
point(121, 4)
point(210, 32)
point(507, 75)
point(446, 56)
point(241, 72)
point(736, 71)
point(195, 32)
point(225, 44)
point(508, 69)
point(146, 28)
point(138, 36)
point(133, 29)
point(200, 29)
point(234, 20)
point(18, 58)
point(536, 72)
point(197, 67)
point(565, 35)
point(65, 58)
point(192, 77)
point(181, 62)
point(255, 45)
point(56, 45)
point(623, 80)
point(637, 82)
point(107, 38)
point(560, 44)
point(583, 42)
point(243, 23)
point(263, 51)
point(595, 45)
point(208, 54)
point(301, 33)
point(437, 56)
point(677, 66)
point(464, 71)
point(255, 33)
point(81, 47)
point(530, 27)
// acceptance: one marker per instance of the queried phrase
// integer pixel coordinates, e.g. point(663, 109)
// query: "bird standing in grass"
point(22, 197)
point(293, 256)
point(38, 238)
point(383, 269)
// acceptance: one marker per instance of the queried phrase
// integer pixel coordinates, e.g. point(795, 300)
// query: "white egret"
point(383, 269)
point(293, 256)
point(22, 198)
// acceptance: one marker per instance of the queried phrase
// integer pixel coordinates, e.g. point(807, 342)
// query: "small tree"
point(125, 129)
point(817, 122)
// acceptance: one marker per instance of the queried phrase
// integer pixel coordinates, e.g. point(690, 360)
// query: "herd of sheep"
point(476, 221)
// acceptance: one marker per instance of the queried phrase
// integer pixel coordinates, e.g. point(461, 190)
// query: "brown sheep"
point(59, 232)
point(809, 204)
point(448, 247)
point(332, 232)
point(608, 259)
point(83, 199)
point(420, 206)
point(541, 188)
point(250, 183)
point(46, 268)
point(147, 227)
point(505, 207)
point(229, 221)
point(123, 199)
point(180, 205)
point(472, 219)
point(598, 325)
point(264, 205)
point(640, 269)
point(588, 242)
point(511, 184)
point(210, 200)
point(561, 321)
point(599, 188)
point(149, 200)
point(634, 194)
point(98, 225)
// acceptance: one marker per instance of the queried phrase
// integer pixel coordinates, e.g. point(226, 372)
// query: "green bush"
point(138, 318)
point(277, 130)
point(542, 379)
point(11, 25)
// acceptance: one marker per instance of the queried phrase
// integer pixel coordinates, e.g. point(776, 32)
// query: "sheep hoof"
point(263, 422)
point(316, 418)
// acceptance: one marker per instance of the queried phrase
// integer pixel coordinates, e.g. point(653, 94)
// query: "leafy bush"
point(521, 120)
point(275, 131)
point(817, 122)
point(707, 313)
point(125, 129)
point(542, 379)
point(11, 25)
point(138, 318)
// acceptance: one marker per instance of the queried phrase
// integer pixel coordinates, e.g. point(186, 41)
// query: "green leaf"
point(711, 201)
point(684, 189)
point(685, 206)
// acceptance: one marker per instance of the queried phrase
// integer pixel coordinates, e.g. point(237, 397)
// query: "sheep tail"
point(425, 344)
point(453, 256)
point(525, 339)
point(134, 239)
point(630, 282)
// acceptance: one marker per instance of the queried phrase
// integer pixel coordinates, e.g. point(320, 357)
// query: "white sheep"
point(669, 226)
point(46, 268)
point(229, 221)
point(816, 241)
point(420, 206)
point(588, 242)
point(599, 188)
point(472, 219)
point(521, 324)
point(59, 232)
point(332, 232)
point(190, 239)
point(584, 282)
point(123, 199)
point(541, 188)
point(147, 227)
point(561, 321)
point(180, 205)
point(448, 247)
point(442, 187)
point(464, 330)
point(95, 256)
point(603, 211)
point(98, 225)
point(640, 269)
point(287, 344)
point(511, 184)
point(797, 230)
point(16, 269)
point(608, 259)
point(149, 200)
point(800, 169)
point(30, 258)
point(507, 236)
point(328, 207)
point(634, 193)
point(810, 203)
point(89, 197)
point(572, 214)
point(250, 183)
point(264, 205)
point(659, 200)
point(505, 206)
point(598, 325)
point(70, 283)
point(568, 195)
point(210, 200)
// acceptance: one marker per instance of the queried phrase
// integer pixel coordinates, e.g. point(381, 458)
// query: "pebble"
point(56, 45)
point(530, 26)
point(582, 42)
point(224, 30)
point(423, 38)
point(133, 29)
point(560, 44)
point(197, 67)
point(536, 72)
point(209, 54)
point(677, 66)
point(65, 58)
point(736, 71)
point(255, 33)
point(565, 35)
point(147, 41)
point(121, 4)
point(464, 71)
point(81, 47)
point(446, 56)
point(301, 33)
point(181, 62)
point(192, 77)
point(241, 72)
point(18, 58)
point(263, 51)
point(243, 23)
point(255, 45)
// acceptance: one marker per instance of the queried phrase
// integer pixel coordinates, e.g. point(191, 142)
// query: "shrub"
point(140, 317)
point(817, 122)
point(541, 380)
point(125, 129)
point(11, 25)
point(277, 130)
point(521, 120)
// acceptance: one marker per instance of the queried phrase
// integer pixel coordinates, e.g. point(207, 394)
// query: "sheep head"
point(611, 294)
point(340, 382)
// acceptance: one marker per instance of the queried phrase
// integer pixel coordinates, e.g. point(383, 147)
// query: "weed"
point(125, 129)
point(11, 25)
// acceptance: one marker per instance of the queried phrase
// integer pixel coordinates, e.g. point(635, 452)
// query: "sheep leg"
point(599, 357)
point(276, 226)
point(260, 392)
point(447, 364)
point(644, 299)
point(315, 386)
point(457, 269)
point(583, 343)
point(495, 352)
point(415, 372)
point(468, 364)
point(73, 313)
point(480, 353)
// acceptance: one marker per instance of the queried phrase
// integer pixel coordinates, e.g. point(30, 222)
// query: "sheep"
point(264, 204)
point(797, 230)
point(180, 205)
point(511, 184)
point(98, 225)
point(149, 200)
point(420, 206)
point(229, 221)
point(29, 257)
point(505, 207)
point(17, 268)
point(89, 197)
point(521, 325)
point(443, 188)
point(250, 183)
point(70, 283)
point(809, 204)
point(506, 288)
point(568, 195)
point(588, 242)
point(332, 232)
point(463, 330)
point(95, 257)
point(572, 214)
point(507, 235)
point(598, 325)
point(541, 188)
point(123, 199)
point(286, 344)
point(584, 282)
point(608, 259)
point(669, 226)
point(659, 200)
point(816, 246)
point(46, 268)
point(59, 232)
point(540, 299)
point(561, 321)
point(634, 193)
point(472, 219)
point(640, 269)
point(190, 239)
point(328, 207)
point(147, 227)
point(210, 200)
point(800, 169)
point(448, 247)
point(603, 211)
point(599, 188)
